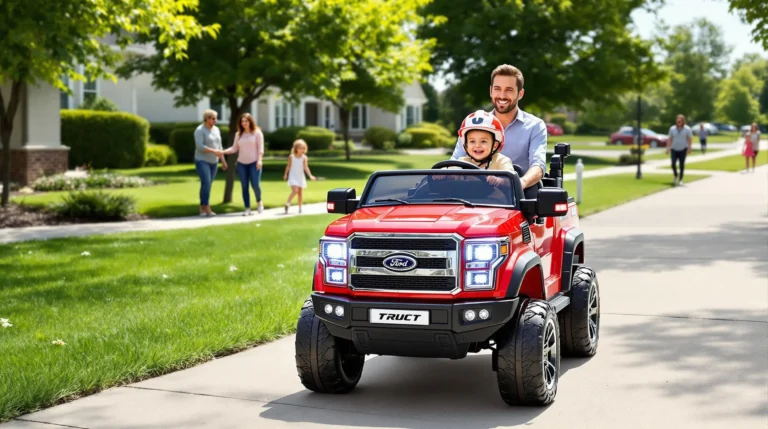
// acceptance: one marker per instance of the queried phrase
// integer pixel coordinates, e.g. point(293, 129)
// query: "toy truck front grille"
point(434, 258)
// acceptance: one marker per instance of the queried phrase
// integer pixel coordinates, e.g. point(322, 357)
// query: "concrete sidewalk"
point(684, 318)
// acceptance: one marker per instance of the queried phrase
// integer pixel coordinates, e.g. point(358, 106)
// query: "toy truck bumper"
point(412, 329)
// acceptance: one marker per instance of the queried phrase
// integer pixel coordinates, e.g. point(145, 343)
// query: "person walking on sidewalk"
point(703, 138)
point(249, 146)
point(681, 140)
point(751, 145)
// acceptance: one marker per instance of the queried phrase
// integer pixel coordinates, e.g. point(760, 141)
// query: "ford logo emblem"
point(399, 263)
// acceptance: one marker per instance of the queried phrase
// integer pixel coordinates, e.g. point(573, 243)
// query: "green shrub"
point(104, 139)
point(59, 182)
point(183, 142)
point(159, 155)
point(283, 138)
point(569, 128)
point(339, 145)
point(442, 137)
point(628, 159)
point(376, 136)
point(160, 132)
point(404, 140)
point(99, 103)
point(558, 118)
point(316, 137)
point(95, 206)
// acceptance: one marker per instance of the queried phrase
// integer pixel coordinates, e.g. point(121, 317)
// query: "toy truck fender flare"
point(572, 242)
point(525, 262)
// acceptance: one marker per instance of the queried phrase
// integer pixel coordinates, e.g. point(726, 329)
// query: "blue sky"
point(675, 12)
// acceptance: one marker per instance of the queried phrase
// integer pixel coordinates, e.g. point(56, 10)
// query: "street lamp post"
point(639, 138)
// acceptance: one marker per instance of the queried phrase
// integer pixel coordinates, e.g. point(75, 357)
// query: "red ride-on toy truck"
point(444, 262)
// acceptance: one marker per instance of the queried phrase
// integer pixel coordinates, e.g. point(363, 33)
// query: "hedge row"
point(426, 135)
point(104, 139)
point(160, 154)
point(160, 132)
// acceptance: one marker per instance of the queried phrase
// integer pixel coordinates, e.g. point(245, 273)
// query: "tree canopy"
point(568, 51)
point(755, 13)
point(45, 41)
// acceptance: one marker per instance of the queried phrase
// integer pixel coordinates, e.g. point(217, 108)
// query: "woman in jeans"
point(207, 155)
point(249, 146)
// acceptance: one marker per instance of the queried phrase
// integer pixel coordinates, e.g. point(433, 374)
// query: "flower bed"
point(60, 182)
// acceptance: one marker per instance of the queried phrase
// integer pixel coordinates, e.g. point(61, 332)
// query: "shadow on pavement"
point(723, 359)
point(737, 241)
point(423, 393)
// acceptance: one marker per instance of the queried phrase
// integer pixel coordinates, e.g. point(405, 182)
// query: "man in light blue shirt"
point(525, 135)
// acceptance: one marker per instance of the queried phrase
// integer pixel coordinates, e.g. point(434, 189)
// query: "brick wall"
point(27, 165)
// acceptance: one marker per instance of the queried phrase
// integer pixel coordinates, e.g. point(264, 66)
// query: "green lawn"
point(582, 142)
point(143, 304)
point(178, 196)
point(728, 163)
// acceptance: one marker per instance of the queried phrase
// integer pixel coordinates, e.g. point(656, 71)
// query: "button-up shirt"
point(525, 142)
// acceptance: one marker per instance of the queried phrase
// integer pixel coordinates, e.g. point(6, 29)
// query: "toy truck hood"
point(450, 218)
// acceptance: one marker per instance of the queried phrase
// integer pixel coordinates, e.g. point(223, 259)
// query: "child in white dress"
point(298, 164)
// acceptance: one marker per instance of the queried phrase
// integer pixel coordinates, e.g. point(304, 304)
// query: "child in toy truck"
point(483, 138)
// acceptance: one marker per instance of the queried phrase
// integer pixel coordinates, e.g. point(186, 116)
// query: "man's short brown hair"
point(508, 70)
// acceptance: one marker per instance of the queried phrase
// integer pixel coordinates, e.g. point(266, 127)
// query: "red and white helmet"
point(482, 120)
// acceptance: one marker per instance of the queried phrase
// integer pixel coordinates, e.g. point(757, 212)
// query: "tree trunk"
point(344, 113)
point(235, 110)
point(7, 115)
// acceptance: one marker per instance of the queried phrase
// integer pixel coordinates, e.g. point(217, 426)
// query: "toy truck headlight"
point(334, 256)
point(481, 258)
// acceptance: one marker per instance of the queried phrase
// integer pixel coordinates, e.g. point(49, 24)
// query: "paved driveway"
point(683, 275)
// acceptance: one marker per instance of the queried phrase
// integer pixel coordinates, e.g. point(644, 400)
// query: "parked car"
point(725, 127)
point(626, 136)
point(442, 263)
point(554, 129)
point(711, 128)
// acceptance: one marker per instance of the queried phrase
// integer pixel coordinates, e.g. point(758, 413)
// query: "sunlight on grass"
point(178, 195)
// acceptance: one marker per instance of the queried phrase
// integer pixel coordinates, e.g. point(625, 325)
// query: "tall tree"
point(754, 13)
point(380, 54)
point(44, 41)
point(735, 103)
point(697, 57)
point(283, 45)
point(568, 51)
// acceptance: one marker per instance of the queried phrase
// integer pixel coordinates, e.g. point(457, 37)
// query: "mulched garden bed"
point(18, 216)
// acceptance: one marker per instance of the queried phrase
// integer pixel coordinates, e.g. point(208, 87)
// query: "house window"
point(90, 90)
point(286, 115)
point(360, 117)
point(64, 99)
point(410, 115)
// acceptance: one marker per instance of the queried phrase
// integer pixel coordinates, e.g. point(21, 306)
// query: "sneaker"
point(203, 214)
point(211, 214)
point(286, 207)
point(680, 183)
point(299, 209)
point(260, 207)
point(247, 212)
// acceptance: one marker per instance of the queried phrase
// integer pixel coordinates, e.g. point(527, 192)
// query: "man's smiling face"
point(504, 93)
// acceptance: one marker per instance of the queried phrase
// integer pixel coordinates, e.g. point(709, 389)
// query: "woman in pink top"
point(249, 146)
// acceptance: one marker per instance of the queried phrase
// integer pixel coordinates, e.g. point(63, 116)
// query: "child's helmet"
point(485, 121)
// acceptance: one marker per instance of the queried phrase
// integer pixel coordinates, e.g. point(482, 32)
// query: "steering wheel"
point(455, 163)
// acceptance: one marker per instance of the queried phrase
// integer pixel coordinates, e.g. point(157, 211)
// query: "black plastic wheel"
point(528, 356)
point(325, 363)
point(580, 321)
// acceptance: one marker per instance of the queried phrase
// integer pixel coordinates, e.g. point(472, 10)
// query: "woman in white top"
point(298, 164)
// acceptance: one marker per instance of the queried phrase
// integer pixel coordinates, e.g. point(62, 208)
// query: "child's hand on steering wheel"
point(494, 181)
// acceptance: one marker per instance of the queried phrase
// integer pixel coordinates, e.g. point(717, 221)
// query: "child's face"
point(300, 150)
point(479, 143)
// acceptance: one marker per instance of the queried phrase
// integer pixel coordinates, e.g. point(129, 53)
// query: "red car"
point(628, 136)
point(554, 129)
point(440, 263)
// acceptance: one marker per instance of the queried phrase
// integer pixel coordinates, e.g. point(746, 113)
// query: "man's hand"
point(667, 150)
point(689, 150)
point(224, 165)
point(258, 165)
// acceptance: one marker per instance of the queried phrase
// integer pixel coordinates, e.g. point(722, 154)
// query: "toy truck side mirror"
point(549, 202)
point(342, 200)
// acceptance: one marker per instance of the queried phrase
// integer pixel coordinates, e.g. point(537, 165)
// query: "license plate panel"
point(399, 317)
